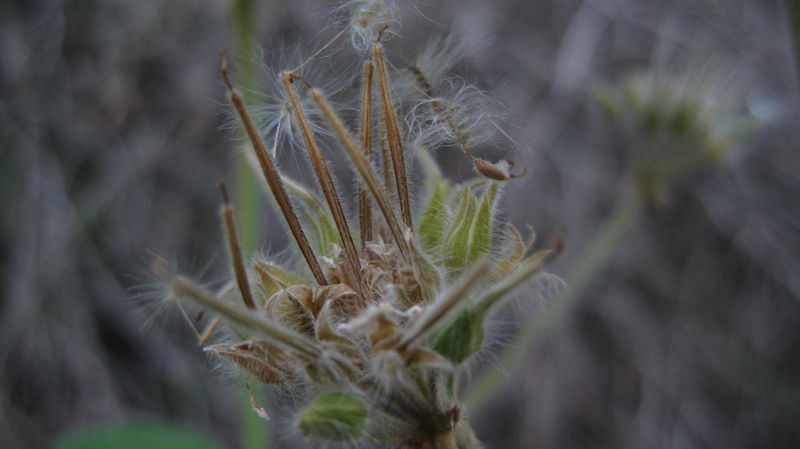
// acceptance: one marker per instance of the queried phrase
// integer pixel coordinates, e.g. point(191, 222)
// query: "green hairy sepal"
point(463, 337)
point(335, 417)
point(470, 235)
point(433, 221)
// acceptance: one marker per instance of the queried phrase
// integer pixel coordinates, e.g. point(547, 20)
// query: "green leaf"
point(135, 436)
point(334, 416)
point(462, 338)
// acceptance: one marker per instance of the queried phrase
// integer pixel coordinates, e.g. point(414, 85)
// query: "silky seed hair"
point(270, 105)
point(367, 19)
point(463, 116)
point(420, 76)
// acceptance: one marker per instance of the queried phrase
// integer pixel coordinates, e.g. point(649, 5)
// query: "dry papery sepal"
point(393, 304)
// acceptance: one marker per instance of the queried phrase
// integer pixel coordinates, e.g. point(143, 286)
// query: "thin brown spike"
point(273, 178)
point(237, 261)
point(325, 182)
point(209, 331)
point(386, 161)
point(364, 201)
point(364, 168)
point(393, 138)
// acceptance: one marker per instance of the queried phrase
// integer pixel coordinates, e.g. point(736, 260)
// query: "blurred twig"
point(540, 324)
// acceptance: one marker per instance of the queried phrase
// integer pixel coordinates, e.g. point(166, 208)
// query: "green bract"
point(333, 416)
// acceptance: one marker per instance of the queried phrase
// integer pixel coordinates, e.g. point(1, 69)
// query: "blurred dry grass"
point(110, 143)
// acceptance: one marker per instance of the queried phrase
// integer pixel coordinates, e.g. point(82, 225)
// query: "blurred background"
point(111, 139)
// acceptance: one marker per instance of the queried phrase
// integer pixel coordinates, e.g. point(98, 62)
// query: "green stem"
point(248, 195)
point(536, 327)
point(254, 431)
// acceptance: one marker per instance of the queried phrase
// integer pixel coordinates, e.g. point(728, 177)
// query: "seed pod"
point(289, 307)
point(491, 171)
point(333, 416)
point(326, 325)
point(274, 278)
point(344, 302)
point(266, 362)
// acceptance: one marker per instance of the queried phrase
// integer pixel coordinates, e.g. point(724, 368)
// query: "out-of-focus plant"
point(374, 331)
point(672, 125)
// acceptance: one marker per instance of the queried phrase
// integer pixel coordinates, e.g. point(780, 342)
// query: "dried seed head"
point(383, 334)
point(266, 362)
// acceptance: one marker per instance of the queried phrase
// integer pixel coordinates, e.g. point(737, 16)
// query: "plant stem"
point(247, 187)
point(254, 431)
point(535, 328)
